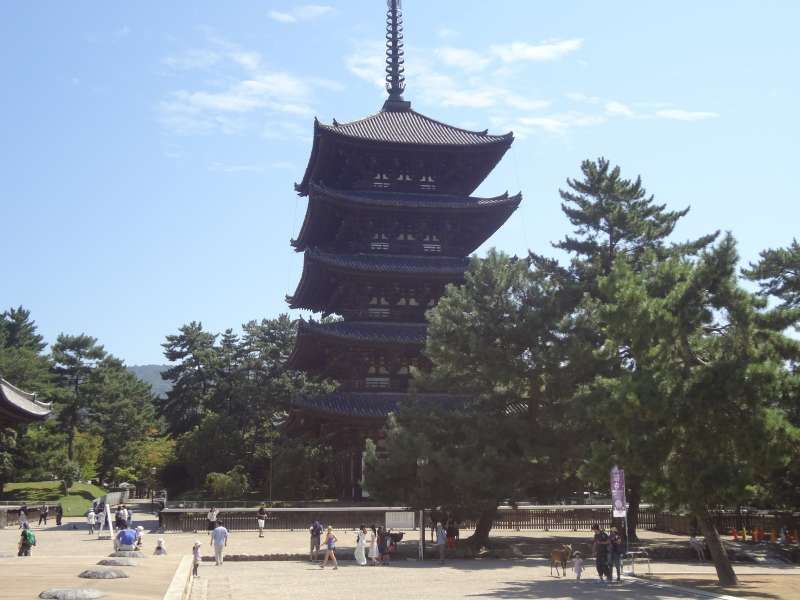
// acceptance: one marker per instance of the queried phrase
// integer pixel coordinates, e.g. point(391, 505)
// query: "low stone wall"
point(9, 515)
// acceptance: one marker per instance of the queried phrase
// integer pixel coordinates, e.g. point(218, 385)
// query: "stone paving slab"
point(26, 577)
point(498, 579)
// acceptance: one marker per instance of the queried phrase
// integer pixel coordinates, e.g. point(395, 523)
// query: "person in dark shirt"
point(600, 545)
point(615, 553)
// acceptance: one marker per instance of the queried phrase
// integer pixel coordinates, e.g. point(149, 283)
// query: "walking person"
point(615, 554)
point(315, 532)
point(27, 540)
point(577, 565)
point(91, 519)
point(219, 539)
point(330, 549)
point(212, 517)
point(59, 514)
point(451, 530)
point(600, 549)
point(441, 541)
point(23, 516)
point(261, 520)
point(361, 546)
point(373, 545)
point(100, 517)
point(383, 546)
point(196, 558)
point(44, 512)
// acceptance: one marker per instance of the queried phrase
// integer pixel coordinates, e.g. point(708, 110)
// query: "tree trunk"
point(722, 563)
point(484, 526)
point(634, 500)
point(70, 443)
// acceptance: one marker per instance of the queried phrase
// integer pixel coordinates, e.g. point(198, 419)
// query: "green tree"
point(40, 450)
point(699, 359)
point(75, 358)
point(193, 376)
point(123, 413)
point(230, 485)
point(87, 450)
point(778, 274)
point(496, 343)
point(68, 472)
point(613, 218)
point(8, 443)
point(21, 359)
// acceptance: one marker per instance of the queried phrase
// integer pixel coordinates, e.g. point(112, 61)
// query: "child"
point(577, 565)
point(196, 558)
point(139, 534)
point(161, 548)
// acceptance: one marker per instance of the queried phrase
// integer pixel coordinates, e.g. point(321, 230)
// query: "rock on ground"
point(71, 594)
point(103, 574)
point(127, 554)
point(118, 562)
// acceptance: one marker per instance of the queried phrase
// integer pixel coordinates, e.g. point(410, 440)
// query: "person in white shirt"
point(219, 539)
point(91, 519)
point(212, 517)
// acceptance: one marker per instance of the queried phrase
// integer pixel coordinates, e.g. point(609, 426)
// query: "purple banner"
point(618, 491)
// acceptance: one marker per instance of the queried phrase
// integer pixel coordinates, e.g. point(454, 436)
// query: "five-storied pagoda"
point(390, 222)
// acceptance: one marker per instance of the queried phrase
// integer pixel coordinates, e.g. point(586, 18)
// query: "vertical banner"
point(618, 492)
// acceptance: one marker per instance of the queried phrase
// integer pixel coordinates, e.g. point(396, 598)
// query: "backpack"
point(30, 538)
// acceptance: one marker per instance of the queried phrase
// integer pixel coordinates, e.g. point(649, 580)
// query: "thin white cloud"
point(193, 59)
point(306, 12)
point(463, 58)
point(446, 33)
point(282, 164)
point(677, 114)
point(218, 167)
point(581, 97)
point(618, 109)
point(559, 123)
point(545, 51)
point(244, 93)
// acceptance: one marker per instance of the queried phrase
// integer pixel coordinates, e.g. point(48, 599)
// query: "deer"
point(560, 556)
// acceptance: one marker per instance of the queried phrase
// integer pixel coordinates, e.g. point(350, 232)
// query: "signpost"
point(619, 508)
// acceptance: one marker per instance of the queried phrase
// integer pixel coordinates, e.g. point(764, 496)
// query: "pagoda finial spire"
point(395, 80)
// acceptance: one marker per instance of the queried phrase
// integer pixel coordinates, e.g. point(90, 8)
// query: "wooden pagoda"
point(390, 222)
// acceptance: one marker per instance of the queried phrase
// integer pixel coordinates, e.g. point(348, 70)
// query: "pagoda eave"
point(327, 206)
point(372, 407)
point(17, 406)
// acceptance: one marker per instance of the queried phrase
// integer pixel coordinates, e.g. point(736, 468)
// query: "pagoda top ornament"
point(395, 69)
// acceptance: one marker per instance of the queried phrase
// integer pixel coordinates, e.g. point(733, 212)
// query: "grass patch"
point(75, 504)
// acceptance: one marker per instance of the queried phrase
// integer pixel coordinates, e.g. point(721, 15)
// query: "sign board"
point(400, 520)
point(617, 486)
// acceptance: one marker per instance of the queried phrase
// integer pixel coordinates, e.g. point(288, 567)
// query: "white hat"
point(197, 543)
point(140, 528)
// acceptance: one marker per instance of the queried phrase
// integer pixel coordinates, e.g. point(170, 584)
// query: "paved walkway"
point(63, 552)
point(410, 580)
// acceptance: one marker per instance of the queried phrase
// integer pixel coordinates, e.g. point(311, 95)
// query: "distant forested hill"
point(152, 374)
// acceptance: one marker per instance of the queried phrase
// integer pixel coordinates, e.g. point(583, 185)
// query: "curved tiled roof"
point(391, 264)
point(411, 127)
point(497, 208)
point(319, 279)
point(366, 331)
point(369, 405)
point(21, 405)
point(402, 199)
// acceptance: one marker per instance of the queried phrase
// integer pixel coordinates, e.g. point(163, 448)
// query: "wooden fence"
point(551, 518)
point(279, 519)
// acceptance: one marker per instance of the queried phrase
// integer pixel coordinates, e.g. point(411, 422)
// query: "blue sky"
point(149, 148)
